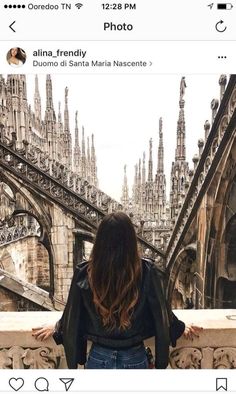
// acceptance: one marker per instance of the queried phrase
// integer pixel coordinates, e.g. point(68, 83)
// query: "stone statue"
point(66, 94)
point(182, 88)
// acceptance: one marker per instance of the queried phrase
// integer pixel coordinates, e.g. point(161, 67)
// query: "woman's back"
point(116, 300)
point(81, 322)
point(140, 321)
point(114, 270)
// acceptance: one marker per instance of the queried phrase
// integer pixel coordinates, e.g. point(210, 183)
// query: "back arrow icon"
point(219, 25)
point(12, 27)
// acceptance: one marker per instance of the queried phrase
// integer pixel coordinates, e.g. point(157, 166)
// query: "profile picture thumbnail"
point(16, 57)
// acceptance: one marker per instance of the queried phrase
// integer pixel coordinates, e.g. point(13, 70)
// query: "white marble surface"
point(24, 321)
point(206, 318)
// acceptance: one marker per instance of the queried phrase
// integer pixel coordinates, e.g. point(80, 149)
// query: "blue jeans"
point(104, 358)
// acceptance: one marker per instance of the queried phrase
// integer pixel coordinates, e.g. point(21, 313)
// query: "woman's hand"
point(192, 331)
point(43, 333)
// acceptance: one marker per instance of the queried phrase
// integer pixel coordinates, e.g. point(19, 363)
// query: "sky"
point(123, 111)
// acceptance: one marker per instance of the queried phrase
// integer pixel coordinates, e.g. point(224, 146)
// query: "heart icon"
point(16, 384)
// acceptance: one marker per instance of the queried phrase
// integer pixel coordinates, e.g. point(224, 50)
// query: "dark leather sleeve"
point(57, 335)
point(177, 328)
point(69, 329)
point(159, 310)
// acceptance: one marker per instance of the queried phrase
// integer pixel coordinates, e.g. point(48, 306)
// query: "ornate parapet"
point(19, 349)
point(215, 347)
point(15, 233)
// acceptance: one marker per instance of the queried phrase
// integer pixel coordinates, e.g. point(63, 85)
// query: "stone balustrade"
point(215, 347)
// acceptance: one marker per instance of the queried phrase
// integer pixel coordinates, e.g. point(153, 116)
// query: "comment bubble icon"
point(41, 384)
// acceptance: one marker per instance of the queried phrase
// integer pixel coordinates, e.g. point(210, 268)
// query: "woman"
point(116, 300)
point(16, 57)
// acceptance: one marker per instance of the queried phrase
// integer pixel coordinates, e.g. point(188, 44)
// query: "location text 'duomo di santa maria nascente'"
point(93, 63)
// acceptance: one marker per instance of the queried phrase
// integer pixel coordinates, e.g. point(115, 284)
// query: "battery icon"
point(224, 6)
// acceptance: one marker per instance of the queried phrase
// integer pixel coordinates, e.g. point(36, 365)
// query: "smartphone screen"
point(112, 110)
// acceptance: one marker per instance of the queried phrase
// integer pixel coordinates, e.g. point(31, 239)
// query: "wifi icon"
point(79, 5)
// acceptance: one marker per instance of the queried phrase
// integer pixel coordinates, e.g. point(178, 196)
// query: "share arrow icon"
point(67, 382)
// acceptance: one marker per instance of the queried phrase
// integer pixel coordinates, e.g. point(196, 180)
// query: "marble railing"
point(215, 347)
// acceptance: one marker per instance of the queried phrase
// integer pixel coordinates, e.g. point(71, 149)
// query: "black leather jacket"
point(151, 317)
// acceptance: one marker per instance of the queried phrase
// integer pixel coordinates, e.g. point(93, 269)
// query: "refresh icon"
point(220, 27)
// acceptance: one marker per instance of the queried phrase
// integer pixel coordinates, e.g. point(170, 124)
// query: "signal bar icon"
point(79, 5)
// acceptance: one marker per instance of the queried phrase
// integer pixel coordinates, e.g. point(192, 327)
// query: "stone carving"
point(232, 103)
point(214, 107)
point(19, 358)
point(186, 358)
point(5, 360)
point(223, 125)
point(41, 358)
point(215, 146)
point(190, 357)
point(7, 203)
point(12, 234)
point(182, 88)
point(224, 358)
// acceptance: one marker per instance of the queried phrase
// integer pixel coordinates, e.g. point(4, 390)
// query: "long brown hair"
point(114, 270)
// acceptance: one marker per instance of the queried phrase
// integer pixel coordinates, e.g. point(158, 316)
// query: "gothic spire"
point(83, 142)
point(135, 185)
point(88, 161)
point(66, 113)
point(67, 135)
point(37, 100)
point(17, 102)
point(3, 103)
point(76, 130)
point(50, 116)
point(125, 191)
point(49, 99)
point(179, 170)
point(36, 85)
point(136, 174)
point(2, 83)
point(94, 179)
point(160, 162)
point(77, 147)
point(139, 173)
point(150, 163)
point(93, 155)
point(59, 137)
point(83, 156)
point(180, 154)
point(59, 112)
point(88, 149)
point(144, 169)
point(23, 90)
